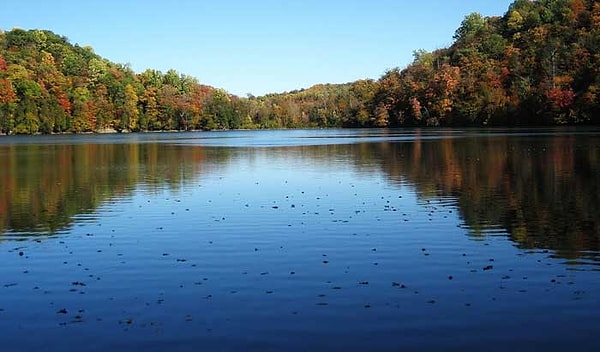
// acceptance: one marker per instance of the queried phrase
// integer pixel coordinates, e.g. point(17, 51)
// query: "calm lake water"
point(301, 240)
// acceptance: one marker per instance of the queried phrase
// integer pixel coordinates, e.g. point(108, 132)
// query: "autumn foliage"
point(538, 64)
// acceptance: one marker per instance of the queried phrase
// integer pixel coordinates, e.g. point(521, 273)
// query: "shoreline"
point(111, 131)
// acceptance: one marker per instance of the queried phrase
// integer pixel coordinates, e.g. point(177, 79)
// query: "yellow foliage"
point(515, 20)
point(563, 81)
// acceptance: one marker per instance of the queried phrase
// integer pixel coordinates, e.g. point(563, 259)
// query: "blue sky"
point(254, 46)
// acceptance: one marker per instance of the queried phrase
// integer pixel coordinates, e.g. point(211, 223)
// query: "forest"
point(537, 65)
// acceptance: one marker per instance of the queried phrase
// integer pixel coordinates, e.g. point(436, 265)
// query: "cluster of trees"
point(48, 85)
point(539, 64)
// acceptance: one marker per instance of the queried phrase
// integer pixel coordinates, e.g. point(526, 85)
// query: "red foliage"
point(560, 98)
point(505, 73)
point(64, 102)
point(416, 107)
point(3, 64)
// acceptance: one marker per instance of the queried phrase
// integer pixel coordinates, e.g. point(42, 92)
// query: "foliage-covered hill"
point(48, 85)
point(539, 64)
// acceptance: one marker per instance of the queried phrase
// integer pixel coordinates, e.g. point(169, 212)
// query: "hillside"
point(538, 64)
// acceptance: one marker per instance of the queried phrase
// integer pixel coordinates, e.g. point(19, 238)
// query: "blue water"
point(299, 240)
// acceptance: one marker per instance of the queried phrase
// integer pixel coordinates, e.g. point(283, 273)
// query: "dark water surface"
point(301, 240)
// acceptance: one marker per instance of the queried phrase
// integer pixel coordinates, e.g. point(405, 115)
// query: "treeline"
point(539, 64)
point(48, 85)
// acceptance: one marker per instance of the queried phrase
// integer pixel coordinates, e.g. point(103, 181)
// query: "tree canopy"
point(539, 64)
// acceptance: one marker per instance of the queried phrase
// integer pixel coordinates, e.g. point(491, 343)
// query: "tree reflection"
point(42, 187)
point(542, 190)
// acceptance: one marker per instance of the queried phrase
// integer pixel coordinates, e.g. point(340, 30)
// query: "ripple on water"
point(356, 246)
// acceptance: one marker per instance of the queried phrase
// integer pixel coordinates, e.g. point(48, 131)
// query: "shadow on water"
point(540, 190)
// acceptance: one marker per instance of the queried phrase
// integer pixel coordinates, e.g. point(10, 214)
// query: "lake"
point(300, 240)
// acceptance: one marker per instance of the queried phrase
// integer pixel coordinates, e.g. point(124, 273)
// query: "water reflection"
point(541, 190)
point(42, 187)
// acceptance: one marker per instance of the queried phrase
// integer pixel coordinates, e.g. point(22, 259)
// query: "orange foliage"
point(416, 107)
point(3, 64)
point(596, 15)
point(64, 102)
point(577, 8)
point(7, 93)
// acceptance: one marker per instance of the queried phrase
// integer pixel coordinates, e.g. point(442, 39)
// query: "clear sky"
point(254, 46)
